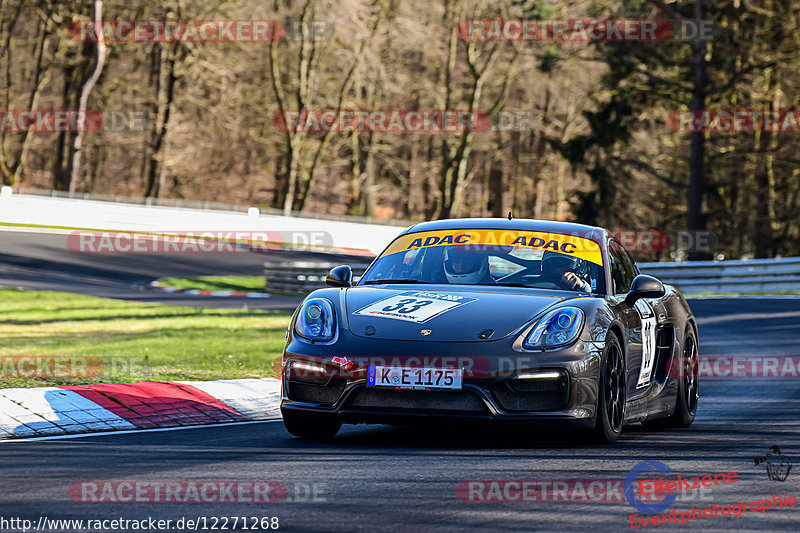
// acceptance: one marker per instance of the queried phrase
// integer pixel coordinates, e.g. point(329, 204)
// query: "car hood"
point(442, 313)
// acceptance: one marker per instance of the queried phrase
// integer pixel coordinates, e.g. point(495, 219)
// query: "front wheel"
point(611, 393)
point(311, 426)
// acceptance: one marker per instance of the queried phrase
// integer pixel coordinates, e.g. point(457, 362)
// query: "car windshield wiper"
point(388, 281)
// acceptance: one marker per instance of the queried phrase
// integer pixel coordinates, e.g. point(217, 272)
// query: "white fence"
point(332, 235)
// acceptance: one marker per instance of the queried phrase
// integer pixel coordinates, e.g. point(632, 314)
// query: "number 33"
point(413, 302)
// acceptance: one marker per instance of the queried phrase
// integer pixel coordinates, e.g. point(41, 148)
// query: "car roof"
point(518, 224)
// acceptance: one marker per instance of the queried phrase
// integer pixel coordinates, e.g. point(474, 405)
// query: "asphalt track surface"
point(43, 261)
point(380, 478)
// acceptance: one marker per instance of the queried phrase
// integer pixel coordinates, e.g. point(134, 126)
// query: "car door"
point(639, 320)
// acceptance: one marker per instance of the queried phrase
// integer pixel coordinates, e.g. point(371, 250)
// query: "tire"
point(688, 394)
point(688, 391)
point(610, 393)
point(317, 427)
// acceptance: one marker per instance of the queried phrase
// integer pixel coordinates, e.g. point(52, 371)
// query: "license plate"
point(414, 378)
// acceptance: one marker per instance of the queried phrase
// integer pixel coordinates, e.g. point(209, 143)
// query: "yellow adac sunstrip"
point(569, 245)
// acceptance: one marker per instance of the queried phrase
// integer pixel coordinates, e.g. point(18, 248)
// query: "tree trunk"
point(74, 164)
point(60, 176)
point(516, 177)
point(355, 174)
point(33, 102)
point(305, 188)
point(368, 194)
point(165, 96)
point(292, 173)
point(409, 204)
point(764, 177)
point(696, 217)
point(446, 186)
point(496, 191)
point(562, 168)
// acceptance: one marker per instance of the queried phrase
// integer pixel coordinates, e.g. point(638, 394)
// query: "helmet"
point(552, 260)
point(464, 267)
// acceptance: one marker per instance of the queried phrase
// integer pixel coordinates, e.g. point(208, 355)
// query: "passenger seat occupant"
point(467, 268)
point(557, 269)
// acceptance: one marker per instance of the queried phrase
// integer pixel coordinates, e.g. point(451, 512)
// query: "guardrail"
point(691, 277)
point(754, 275)
point(301, 276)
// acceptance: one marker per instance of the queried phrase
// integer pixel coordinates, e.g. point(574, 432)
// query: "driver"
point(467, 268)
point(557, 269)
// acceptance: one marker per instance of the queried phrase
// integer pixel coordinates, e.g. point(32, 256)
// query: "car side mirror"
point(644, 286)
point(340, 276)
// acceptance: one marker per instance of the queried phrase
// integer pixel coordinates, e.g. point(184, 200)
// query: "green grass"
point(217, 283)
point(110, 341)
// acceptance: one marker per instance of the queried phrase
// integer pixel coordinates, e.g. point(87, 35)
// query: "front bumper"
point(489, 391)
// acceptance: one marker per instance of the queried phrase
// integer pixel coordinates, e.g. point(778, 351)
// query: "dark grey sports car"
point(506, 320)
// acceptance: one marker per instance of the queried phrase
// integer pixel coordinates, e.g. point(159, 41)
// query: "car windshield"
point(491, 257)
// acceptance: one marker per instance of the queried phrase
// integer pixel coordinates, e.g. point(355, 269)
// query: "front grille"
point(547, 395)
point(422, 400)
point(306, 392)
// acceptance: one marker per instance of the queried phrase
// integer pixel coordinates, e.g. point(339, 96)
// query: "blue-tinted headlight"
point(559, 327)
point(315, 321)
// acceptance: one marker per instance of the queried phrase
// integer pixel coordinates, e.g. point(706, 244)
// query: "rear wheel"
point(311, 426)
point(688, 393)
point(611, 393)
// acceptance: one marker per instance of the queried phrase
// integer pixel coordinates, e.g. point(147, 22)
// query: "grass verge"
point(217, 283)
point(52, 338)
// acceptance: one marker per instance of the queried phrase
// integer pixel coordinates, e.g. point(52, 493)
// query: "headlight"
point(315, 321)
point(557, 328)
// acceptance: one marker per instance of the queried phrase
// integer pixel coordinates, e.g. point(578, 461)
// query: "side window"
point(616, 272)
point(622, 268)
point(631, 264)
